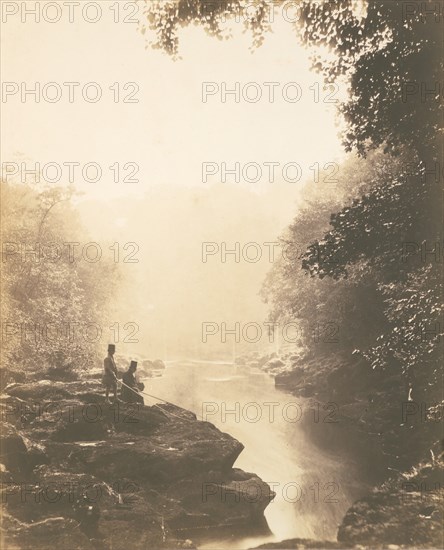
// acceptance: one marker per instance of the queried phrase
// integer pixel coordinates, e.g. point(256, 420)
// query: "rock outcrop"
point(407, 511)
point(80, 473)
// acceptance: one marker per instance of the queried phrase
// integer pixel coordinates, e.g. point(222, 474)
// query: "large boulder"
point(11, 376)
point(148, 464)
point(274, 366)
point(158, 364)
point(172, 450)
point(62, 373)
point(290, 378)
point(18, 453)
point(407, 511)
point(48, 390)
point(218, 500)
point(53, 532)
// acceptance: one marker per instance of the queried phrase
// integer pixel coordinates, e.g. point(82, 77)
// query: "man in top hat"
point(110, 373)
point(130, 386)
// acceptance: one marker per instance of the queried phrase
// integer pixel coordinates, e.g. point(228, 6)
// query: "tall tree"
point(52, 299)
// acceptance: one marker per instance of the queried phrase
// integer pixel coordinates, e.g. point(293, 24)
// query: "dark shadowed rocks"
point(54, 532)
point(80, 473)
point(407, 510)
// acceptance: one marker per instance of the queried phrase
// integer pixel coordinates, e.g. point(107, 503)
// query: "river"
point(313, 488)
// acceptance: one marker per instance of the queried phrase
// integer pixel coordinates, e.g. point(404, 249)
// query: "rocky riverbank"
point(405, 512)
point(78, 473)
point(370, 417)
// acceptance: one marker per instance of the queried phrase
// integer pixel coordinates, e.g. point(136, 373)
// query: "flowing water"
point(313, 488)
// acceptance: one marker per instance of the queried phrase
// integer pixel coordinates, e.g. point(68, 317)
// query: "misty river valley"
point(314, 488)
point(222, 275)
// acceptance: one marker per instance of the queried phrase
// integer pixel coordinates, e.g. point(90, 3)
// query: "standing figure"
point(110, 373)
point(130, 386)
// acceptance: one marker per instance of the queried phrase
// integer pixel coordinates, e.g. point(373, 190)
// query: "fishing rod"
point(160, 399)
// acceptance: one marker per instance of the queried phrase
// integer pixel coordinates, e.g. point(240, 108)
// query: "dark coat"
point(128, 395)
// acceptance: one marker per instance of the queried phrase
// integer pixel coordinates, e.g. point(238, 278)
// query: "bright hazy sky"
point(170, 132)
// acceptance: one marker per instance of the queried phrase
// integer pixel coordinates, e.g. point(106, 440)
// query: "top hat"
point(133, 364)
point(111, 347)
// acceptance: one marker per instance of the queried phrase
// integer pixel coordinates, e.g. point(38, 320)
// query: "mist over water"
point(174, 288)
point(313, 488)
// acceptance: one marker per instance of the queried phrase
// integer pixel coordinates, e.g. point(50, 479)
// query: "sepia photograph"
point(222, 274)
